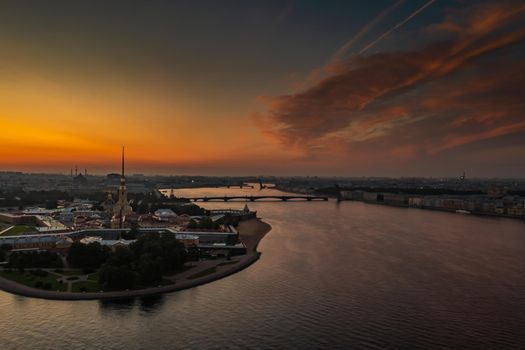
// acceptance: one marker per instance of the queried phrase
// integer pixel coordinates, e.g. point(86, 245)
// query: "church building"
point(121, 208)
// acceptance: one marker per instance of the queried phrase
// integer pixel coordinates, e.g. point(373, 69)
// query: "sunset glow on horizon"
point(414, 88)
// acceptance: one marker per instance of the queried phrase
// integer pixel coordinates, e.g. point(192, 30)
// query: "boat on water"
point(461, 211)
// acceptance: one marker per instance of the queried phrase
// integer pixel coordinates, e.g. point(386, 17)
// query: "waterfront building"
point(370, 196)
point(188, 240)
point(416, 202)
point(393, 199)
point(113, 244)
point(17, 219)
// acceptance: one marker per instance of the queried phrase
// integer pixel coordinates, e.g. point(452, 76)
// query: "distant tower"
point(122, 207)
point(76, 170)
point(71, 172)
point(85, 172)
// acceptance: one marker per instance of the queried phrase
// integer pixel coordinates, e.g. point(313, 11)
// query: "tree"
point(22, 260)
point(173, 253)
point(150, 271)
point(51, 204)
point(122, 256)
point(132, 233)
point(142, 263)
point(117, 277)
point(87, 256)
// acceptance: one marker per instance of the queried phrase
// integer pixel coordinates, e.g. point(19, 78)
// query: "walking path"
point(7, 229)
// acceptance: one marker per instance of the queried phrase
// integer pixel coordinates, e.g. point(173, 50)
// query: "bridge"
point(257, 198)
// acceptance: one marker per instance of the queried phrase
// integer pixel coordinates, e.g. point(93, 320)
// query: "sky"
point(300, 87)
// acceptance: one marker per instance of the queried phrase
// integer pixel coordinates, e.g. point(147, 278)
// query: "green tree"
point(87, 256)
point(143, 262)
point(117, 277)
point(122, 256)
point(150, 271)
point(133, 233)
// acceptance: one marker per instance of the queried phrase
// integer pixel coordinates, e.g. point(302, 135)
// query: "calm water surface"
point(333, 276)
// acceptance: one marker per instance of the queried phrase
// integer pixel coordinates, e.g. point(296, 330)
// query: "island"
point(154, 263)
point(140, 244)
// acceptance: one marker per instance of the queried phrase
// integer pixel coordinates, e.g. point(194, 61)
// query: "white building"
point(165, 214)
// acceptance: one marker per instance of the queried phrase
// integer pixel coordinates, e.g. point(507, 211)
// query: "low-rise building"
point(188, 239)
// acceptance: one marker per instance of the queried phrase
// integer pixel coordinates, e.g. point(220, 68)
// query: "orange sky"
point(49, 121)
point(421, 88)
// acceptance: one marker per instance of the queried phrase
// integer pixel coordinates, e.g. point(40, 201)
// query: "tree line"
point(141, 264)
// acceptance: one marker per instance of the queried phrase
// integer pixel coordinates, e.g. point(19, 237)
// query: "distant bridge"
point(257, 198)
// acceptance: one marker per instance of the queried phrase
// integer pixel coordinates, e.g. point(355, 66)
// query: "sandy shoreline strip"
point(250, 231)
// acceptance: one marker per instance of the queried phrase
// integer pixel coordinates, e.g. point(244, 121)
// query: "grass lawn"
point(203, 273)
point(89, 286)
point(94, 276)
point(18, 230)
point(30, 280)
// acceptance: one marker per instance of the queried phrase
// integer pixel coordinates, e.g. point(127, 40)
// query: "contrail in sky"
point(363, 31)
point(321, 72)
point(385, 34)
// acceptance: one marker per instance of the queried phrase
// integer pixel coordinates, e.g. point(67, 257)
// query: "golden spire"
point(122, 161)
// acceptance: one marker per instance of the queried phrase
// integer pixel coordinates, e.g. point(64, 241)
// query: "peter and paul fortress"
point(121, 208)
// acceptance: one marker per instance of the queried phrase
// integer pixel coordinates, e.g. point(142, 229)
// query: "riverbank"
point(251, 232)
point(442, 210)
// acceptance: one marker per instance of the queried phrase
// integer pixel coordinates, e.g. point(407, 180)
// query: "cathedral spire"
point(122, 161)
point(122, 208)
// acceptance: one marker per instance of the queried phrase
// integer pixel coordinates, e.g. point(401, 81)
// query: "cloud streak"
point(397, 26)
point(465, 86)
point(350, 43)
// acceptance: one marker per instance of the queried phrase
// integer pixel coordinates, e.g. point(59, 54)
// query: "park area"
point(16, 230)
point(72, 280)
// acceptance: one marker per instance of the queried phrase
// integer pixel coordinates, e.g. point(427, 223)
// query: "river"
point(331, 275)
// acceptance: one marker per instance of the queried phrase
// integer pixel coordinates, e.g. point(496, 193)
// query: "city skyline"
point(399, 88)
